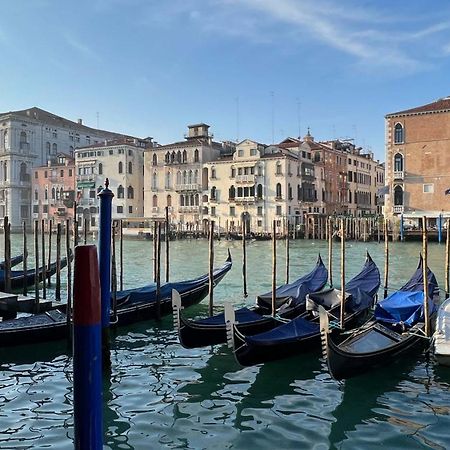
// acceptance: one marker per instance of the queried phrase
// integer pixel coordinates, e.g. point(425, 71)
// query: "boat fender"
point(230, 320)
point(176, 308)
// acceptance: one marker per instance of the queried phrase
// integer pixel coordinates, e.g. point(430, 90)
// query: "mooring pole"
point(49, 260)
point(158, 271)
point(114, 274)
point(69, 282)
point(342, 316)
point(104, 252)
point(121, 253)
point(85, 231)
point(330, 251)
point(244, 259)
point(155, 244)
point(274, 268)
point(167, 241)
point(36, 266)
point(439, 227)
point(87, 351)
point(287, 250)
point(44, 271)
point(386, 256)
point(447, 261)
point(7, 270)
point(402, 228)
point(25, 259)
point(426, 293)
point(58, 263)
point(211, 268)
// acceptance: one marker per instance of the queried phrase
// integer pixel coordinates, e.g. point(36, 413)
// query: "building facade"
point(53, 190)
point(418, 160)
point(122, 162)
point(28, 139)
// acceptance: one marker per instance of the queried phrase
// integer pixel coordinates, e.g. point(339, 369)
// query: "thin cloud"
point(81, 48)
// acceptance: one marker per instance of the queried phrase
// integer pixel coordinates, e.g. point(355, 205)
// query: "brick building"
point(418, 160)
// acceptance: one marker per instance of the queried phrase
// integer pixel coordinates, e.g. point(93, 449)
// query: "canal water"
point(163, 396)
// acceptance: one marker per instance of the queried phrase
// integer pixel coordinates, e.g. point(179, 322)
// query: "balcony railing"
point(189, 209)
point(188, 187)
point(399, 175)
point(399, 209)
point(245, 199)
point(243, 179)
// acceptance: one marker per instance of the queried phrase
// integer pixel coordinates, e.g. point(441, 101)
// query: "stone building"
point(53, 189)
point(122, 162)
point(418, 160)
point(29, 138)
point(175, 176)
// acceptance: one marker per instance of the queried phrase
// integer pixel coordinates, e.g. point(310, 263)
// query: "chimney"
point(80, 121)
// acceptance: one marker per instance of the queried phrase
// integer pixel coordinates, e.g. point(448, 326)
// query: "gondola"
point(441, 337)
point(303, 333)
point(18, 276)
point(133, 305)
point(290, 302)
point(396, 327)
point(14, 262)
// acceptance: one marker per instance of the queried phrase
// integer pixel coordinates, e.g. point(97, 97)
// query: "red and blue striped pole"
point(104, 256)
point(87, 360)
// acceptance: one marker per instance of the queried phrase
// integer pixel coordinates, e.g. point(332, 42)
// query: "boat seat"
point(387, 332)
point(55, 315)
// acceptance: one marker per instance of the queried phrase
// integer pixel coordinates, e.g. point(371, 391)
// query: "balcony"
point(245, 179)
point(399, 175)
point(399, 209)
point(189, 209)
point(245, 199)
point(195, 187)
point(278, 198)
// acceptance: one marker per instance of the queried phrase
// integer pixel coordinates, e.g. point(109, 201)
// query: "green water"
point(163, 396)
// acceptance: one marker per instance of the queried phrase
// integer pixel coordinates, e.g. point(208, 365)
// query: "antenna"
point(98, 120)
point(237, 119)
point(355, 132)
point(299, 105)
point(273, 117)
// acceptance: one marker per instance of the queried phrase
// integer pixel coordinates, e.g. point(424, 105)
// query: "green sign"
point(85, 184)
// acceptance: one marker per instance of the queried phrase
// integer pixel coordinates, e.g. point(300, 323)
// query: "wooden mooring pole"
point(25, 258)
point(69, 283)
point(342, 312)
point(426, 293)
point(330, 251)
point(158, 271)
point(274, 267)
point(121, 252)
point(44, 271)
point(447, 261)
point(287, 250)
point(386, 256)
point(58, 263)
point(49, 260)
point(211, 268)
point(167, 241)
point(7, 270)
point(36, 266)
point(244, 258)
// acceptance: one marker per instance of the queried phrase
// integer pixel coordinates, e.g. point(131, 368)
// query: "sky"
point(257, 69)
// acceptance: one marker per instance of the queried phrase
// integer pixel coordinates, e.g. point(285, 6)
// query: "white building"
point(122, 162)
point(29, 138)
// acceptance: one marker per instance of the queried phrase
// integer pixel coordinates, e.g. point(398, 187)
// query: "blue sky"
point(249, 68)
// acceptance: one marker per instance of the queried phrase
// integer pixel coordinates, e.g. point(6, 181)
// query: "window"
point(232, 211)
point(36, 195)
point(100, 169)
point(155, 201)
point(45, 209)
point(169, 200)
point(398, 134)
point(213, 172)
point(428, 188)
point(253, 152)
point(119, 209)
point(278, 210)
point(120, 167)
point(120, 191)
point(278, 190)
point(178, 156)
point(167, 158)
point(398, 196)
point(36, 209)
point(53, 193)
point(240, 152)
point(233, 172)
point(260, 211)
point(54, 149)
point(130, 210)
point(70, 172)
point(111, 152)
point(154, 159)
point(278, 169)
point(232, 192)
point(213, 210)
point(130, 192)
point(184, 156)
point(5, 140)
point(48, 147)
point(61, 173)
point(213, 193)
point(92, 193)
point(130, 167)
point(398, 162)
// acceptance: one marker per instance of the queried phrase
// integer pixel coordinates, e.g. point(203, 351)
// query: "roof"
point(440, 105)
point(49, 118)
point(138, 143)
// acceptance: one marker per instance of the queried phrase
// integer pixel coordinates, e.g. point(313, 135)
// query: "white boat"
point(441, 336)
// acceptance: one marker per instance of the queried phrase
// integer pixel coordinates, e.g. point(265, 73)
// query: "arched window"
point(196, 199)
point(178, 156)
point(213, 193)
point(155, 180)
point(46, 194)
point(23, 176)
point(155, 201)
point(36, 194)
point(278, 169)
point(190, 177)
point(130, 167)
point(179, 177)
point(71, 150)
point(48, 147)
point(120, 167)
point(290, 192)
point(184, 156)
point(240, 191)
point(54, 149)
point(259, 191)
point(278, 190)
point(61, 193)
point(398, 162)
point(232, 192)
point(169, 200)
point(130, 192)
point(191, 199)
point(155, 159)
point(53, 193)
point(196, 176)
point(184, 177)
point(23, 140)
point(196, 159)
point(172, 157)
point(398, 196)
point(181, 200)
point(168, 180)
point(399, 134)
point(100, 168)
point(167, 158)
point(5, 140)
point(213, 172)
point(120, 191)
point(205, 198)
point(252, 191)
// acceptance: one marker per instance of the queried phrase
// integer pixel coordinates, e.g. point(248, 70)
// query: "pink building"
point(53, 188)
